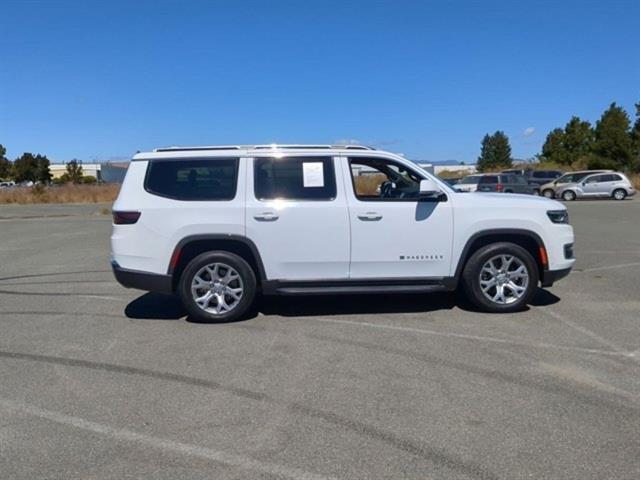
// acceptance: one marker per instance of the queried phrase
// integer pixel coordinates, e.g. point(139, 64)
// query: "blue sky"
point(102, 79)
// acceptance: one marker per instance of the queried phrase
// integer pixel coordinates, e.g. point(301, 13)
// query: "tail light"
point(125, 218)
point(499, 187)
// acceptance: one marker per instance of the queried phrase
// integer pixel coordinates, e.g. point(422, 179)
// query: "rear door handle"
point(266, 217)
point(370, 217)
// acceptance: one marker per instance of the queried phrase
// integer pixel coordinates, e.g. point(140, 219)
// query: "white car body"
point(342, 239)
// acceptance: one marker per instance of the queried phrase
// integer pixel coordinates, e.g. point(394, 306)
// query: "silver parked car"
point(549, 189)
point(612, 185)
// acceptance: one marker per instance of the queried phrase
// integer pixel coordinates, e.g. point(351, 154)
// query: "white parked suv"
point(218, 225)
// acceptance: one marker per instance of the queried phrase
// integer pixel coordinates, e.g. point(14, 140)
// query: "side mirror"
point(429, 189)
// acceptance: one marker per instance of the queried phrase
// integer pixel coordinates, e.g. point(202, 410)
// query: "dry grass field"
point(60, 194)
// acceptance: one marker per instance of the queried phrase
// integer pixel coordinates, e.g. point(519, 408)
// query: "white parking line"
point(610, 267)
point(230, 459)
point(587, 332)
point(617, 352)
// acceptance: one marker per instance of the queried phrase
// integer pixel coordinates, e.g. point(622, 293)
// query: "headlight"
point(558, 216)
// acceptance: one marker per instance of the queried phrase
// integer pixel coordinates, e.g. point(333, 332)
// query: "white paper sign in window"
point(312, 174)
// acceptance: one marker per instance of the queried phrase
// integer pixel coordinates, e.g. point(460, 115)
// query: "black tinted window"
point(301, 178)
point(198, 179)
point(542, 174)
point(488, 179)
point(615, 178)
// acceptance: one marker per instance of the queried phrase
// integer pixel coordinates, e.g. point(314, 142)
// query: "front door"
point(296, 215)
point(393, 234)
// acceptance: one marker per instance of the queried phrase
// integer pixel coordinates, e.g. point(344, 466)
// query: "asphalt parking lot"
point(101, 382)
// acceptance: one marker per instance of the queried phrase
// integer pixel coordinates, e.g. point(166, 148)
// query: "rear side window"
point(489, 179)
point(542, 174)
point(197, 179)
point(294, 178)
point(616, 178)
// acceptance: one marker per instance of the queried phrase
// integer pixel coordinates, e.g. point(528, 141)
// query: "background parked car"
point(549, 189)
point(613, 185)
point(451, 181)
point(537, 178)
point(495, 182)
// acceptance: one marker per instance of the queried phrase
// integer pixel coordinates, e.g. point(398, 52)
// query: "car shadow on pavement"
point(155, 306)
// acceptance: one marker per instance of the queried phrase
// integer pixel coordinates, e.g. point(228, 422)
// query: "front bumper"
point(551, 276)
point(151, 282)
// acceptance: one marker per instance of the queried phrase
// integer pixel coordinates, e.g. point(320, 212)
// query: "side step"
point(351, 287)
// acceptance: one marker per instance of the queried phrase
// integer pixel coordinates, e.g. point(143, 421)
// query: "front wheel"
point(217, 287)
point(501, 278)
point(619, 194)
point(568, 196)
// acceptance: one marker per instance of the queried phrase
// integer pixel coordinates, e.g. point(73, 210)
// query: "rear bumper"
point(151, 282)
point(551, 276)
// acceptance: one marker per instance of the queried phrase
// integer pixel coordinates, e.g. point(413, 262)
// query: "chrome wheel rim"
point(504, 279)
point(619, 195)
point(568, 195)
point(548, 193)
point(217, 288)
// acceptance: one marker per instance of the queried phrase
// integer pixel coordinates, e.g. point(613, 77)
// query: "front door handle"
point(266, 217)
point(370, 217)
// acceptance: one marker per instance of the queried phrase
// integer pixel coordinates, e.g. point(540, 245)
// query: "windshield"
point(469, 180)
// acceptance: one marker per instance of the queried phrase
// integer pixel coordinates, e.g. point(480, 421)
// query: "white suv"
point(217, 225)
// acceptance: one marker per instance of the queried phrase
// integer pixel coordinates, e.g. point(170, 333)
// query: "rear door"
point(393, 235)
point(296, 214)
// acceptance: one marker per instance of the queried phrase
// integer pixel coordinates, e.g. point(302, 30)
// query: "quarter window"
point(193, 179)
point(294, 178)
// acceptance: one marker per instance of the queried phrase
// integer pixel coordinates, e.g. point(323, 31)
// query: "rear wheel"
point(536, 192)
point(619, 194)
point(568, 196)
point(549, 193)
point(501, 277)
point(217, 287)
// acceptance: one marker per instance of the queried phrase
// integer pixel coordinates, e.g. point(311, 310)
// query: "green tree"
point(578, 140)
point(74, 170)
point(5, 164)
point(495, 153)
point(34, 168)
point(553, 149)
point(635, 135)
point(613, 141)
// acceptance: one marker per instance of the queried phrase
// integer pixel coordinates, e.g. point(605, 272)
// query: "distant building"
point(110, 172)
point(88, 170)
point(467, 169)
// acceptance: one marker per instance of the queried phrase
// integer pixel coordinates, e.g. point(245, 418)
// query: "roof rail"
point(188, 149)
point(263, 147)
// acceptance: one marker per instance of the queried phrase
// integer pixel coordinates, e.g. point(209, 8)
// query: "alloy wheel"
point(504, 279)
point(217, 288)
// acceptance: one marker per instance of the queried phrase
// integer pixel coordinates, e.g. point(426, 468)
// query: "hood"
point(500, 200)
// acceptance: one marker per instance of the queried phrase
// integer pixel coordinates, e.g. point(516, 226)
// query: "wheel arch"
point(527, 239)
point(191, 246)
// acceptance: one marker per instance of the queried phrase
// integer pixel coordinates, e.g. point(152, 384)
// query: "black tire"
point(472, 273)
point(247, 280)
point(508, 191)
point(535, 192)
point(548, 193)
point(568, 196)
point(619, 194)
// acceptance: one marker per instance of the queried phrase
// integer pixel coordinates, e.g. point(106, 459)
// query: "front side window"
point(294, 178)
point(193, 179)
point(381, 179)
